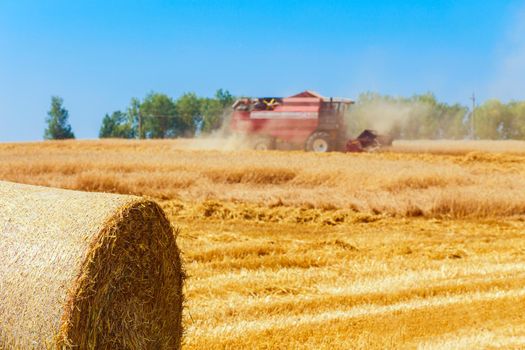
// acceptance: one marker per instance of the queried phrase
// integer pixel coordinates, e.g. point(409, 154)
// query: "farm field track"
point(284, 250)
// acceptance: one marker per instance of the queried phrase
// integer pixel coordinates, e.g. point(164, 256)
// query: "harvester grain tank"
point(304, 121)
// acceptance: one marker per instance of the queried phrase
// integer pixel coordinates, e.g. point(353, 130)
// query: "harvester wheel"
point(263, 144)
point(319, 141)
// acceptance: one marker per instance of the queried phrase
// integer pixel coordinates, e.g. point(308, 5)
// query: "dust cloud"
point(222, 139)
point(218, 141)
point(383, 115)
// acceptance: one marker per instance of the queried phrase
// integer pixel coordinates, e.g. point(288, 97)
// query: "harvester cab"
point(304, 121)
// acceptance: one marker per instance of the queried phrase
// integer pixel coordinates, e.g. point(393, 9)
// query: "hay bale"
point(86, 270)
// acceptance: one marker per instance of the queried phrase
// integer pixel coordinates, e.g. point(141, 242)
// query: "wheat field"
point(287, 250)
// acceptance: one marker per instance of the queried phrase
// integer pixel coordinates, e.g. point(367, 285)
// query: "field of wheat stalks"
point(452, 180)
point(419, 246)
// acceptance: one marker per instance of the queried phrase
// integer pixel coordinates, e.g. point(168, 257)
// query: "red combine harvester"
point(303, 121)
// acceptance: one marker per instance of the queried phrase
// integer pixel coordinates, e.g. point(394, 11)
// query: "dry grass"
point(87, 271)
point(288, 250)
point(465, 184)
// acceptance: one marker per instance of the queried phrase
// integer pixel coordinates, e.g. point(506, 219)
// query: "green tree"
point(491, 120)
point(135, 118)
point(159, 116)
point(517, 110)
point(225, 98)
point(118, 125)
point(189, 113)
point(439, 120)
point(216, 110)
point(500, 121)
point(212, 111)
point(58, 126)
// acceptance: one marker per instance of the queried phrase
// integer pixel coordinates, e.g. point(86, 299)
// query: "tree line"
point(424, 117)
point(158, 115)
point(155, 116)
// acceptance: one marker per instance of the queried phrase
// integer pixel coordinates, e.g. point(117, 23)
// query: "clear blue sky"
point(98, 54)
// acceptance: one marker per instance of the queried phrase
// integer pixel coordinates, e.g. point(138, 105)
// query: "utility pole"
point(472, 116)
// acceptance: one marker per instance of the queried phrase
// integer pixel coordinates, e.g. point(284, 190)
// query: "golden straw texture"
point(86, 270)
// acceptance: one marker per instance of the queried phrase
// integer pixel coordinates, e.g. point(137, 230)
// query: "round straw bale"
point(86, 270)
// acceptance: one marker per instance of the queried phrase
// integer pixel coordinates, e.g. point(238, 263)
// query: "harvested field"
point(388, 283)
point(83, 270)
point(289, 250)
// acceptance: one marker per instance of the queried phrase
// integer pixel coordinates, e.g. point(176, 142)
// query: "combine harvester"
point(306, 121)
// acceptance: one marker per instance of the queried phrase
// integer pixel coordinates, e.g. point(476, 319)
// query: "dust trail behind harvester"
point(216, 141)
point(220, 139)
point(415, 118)
point(383, 115)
